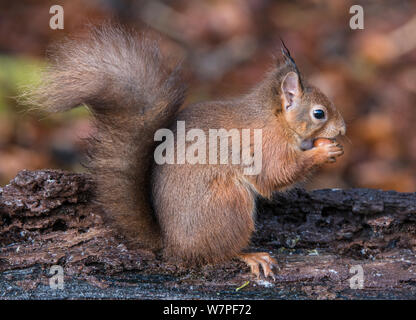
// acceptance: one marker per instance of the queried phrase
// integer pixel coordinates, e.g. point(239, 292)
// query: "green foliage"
point(16, 75)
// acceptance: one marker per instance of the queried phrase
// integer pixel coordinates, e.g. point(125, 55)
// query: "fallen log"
point(325, 241)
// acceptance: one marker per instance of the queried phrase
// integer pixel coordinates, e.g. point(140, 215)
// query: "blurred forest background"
point(228, 45)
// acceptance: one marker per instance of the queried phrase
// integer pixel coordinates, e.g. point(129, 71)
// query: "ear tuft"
point(290, 61)
point(290, 89)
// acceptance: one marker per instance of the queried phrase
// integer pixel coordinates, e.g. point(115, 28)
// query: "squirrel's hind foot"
point(255, 259)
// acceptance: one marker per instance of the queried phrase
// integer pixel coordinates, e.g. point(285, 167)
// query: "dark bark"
point(49, 217)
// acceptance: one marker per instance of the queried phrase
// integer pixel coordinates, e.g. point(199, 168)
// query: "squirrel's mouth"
point(308, 144)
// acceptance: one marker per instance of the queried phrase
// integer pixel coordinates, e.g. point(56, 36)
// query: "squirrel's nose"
point(342, 131)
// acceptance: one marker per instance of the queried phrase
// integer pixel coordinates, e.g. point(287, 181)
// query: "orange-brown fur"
point(131, 93)
point(197, 213)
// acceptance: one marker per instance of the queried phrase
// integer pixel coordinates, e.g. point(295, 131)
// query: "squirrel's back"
point(122, 78)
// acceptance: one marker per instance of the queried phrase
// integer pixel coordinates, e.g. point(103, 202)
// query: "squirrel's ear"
point(290, 62)
point(291, 90)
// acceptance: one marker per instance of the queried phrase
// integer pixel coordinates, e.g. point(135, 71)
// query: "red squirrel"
point(195, 213)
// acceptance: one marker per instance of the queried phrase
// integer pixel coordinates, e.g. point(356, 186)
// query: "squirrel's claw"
point(256, 259)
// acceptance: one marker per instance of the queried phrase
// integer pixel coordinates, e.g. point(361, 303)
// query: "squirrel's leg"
point(321, 154)
point(256, 259)
point(307, 161)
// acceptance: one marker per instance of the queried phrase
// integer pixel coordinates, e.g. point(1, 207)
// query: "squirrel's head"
point(307, 111)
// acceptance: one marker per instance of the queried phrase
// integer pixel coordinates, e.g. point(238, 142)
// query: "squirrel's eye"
point(319, 114)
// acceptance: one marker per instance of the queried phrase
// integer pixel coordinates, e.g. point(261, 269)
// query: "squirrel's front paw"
point(328, 152)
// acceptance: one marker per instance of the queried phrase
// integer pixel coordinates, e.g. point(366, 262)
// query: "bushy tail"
point(131, 93)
